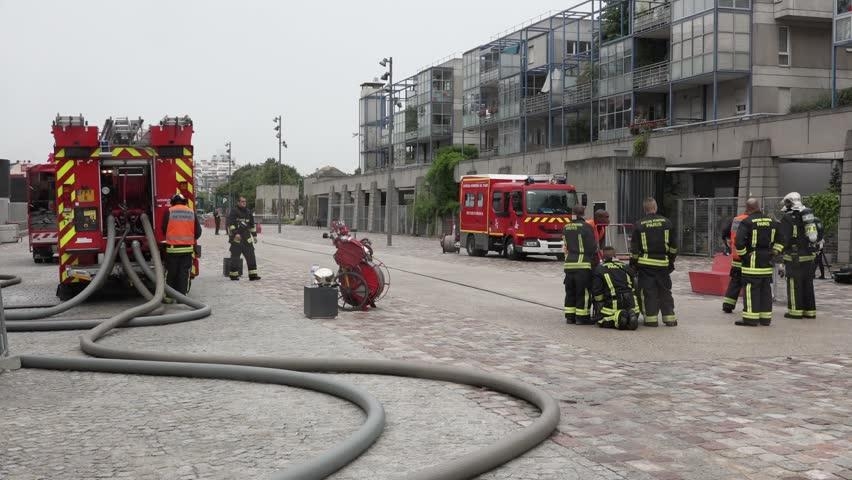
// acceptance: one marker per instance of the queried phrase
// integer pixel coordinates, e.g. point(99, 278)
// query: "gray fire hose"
point(156, 363)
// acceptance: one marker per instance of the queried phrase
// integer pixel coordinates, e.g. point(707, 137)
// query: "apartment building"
point(711, 80)
point(426, 116)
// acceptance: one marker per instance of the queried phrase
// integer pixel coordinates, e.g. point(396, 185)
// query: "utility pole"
point(281, 143)
point(230, 194)
point(388, 62)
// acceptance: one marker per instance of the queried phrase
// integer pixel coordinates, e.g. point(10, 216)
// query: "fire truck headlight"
point(531, 243)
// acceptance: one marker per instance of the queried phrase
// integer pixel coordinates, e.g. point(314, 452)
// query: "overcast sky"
point(231, 66)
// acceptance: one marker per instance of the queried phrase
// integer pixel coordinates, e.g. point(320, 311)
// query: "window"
point(517, 203)
point(531, 55)
point(692, 47)
point(497, 202)
point(741, 4)
point(550, 201)
point(784, 46)
point(469, 199)
point(480, 200)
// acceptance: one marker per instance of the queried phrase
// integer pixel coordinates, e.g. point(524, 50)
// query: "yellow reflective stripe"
point(64, 169)
point(609, 284)
point(599, 298)
point(653, 262)
point(666, 239)
point(757, 271)
point(742, 251)
point(180, 249)
point(183, 166)
point(67, 237)
point(577, 266)
point(791, 292)
point(644, 243)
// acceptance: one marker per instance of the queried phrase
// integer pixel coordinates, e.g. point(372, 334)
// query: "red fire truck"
point(41, 211)
point(122, 171)
point(515, 215)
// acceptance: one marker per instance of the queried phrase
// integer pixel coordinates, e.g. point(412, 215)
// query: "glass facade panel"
point(510, 136)
point(734, 41)
point(614, 113)
point(688, 8)
point(614, 68)
point(695, 45)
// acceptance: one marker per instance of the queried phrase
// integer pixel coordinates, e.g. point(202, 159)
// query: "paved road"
point(703, 400)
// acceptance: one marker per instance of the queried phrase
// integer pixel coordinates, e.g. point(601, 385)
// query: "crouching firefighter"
point(243, 235)
point(757, 242)
point(181, 228)
point(612, 287)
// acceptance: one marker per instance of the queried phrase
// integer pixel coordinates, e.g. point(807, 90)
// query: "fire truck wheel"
point(511, 252)
point(470, 246)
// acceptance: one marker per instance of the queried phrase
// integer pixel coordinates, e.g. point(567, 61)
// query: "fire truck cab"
point(121, 171)
point(41, 211)
point(515, 215)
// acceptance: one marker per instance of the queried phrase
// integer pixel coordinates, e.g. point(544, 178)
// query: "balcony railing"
point(536, 104)
point(489, 76)
point(651, 75)
point(652, 18)
point(578, 94)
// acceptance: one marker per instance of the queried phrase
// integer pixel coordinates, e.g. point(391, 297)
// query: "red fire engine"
point(123, 171)
point(515, 215)
point(41, 211)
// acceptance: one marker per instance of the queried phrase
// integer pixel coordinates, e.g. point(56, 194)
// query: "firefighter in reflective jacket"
point(799, 231)
point(653, 253)
point(612, 287)
point(757, 241)
point(243, 235)
point(735, 286)
point(580, 248)
point(181, 228)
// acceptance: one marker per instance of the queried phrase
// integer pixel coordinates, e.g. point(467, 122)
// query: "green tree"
point(826, 206)
point(244, 180)
point(441, 193)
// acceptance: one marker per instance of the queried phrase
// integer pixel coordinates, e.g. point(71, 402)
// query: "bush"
point(823, 102)
point(826, 206)
point(640, 144)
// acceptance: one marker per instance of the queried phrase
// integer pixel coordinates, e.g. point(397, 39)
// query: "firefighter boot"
point(629, 320)
point(727, 308)
point(746, 322)
point(254, 277)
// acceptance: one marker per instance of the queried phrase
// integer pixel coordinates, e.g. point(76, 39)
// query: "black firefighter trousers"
point(757, 302)
point(735, 288)
point(247, 250)
point(578, 299)
point(655, 295)
point(178, 266)
point(801, 301)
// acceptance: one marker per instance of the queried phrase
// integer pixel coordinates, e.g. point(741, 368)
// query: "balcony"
point(650, 76)
point(488, 116)
point(652, 19)
point(489, 76)
point(578, 94)
point(536, 104)
point(803, 10)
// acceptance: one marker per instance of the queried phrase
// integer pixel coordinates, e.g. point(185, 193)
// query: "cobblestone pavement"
point(748, 403)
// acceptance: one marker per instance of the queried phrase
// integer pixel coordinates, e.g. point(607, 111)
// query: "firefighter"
point(580, 249)
point(612, 287)
point(735, 285)
point(216, 217)
point(599, 223)
point(757, 242)
point(653, 254)
point(799, 231)
point(181, 229)
point(242, 235)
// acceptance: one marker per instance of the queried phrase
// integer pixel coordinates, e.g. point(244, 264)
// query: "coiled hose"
point(291, 371)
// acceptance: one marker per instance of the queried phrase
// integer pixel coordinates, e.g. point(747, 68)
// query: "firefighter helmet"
point(178, 199)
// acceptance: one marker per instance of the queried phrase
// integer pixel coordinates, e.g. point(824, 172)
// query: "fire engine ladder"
point(121, 131)
point(183, 121)
point(618, 237)
point(69, 121)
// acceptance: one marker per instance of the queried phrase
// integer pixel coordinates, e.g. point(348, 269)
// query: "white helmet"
point(793, 201)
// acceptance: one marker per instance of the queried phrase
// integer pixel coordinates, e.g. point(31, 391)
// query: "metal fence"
point(701, 221)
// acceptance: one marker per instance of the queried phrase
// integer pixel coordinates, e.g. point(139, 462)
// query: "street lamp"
point(228, 151)
point(388, 76)
point(281, 143)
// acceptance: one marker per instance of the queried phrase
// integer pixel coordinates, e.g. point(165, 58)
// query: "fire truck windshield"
point(550, 201)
